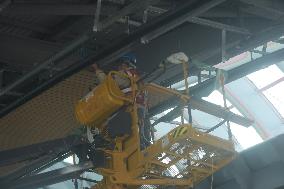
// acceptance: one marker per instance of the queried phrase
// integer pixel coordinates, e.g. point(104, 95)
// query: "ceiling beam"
point(24, 25)
point(54, 59)
point(175, 23)
point(13, 156)
point(28, 50)
point(219, 25)
point(210, 23)
point(51, 177)
point(275, 7)
point(56, 9)
point(132, 7)
point(203, 106)
point(206, 87)
point(113, 51)
point(265, 8)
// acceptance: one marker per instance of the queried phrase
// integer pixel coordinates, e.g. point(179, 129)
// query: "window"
point(265, 76)
point(270, 82)
point(246, 137)
point(217, 98)
point(275, 95)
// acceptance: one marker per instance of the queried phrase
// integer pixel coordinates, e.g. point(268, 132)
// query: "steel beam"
point(36, 150)
point(53, 59)
point(273, 7)
point(207, 22)
point(200, 105)
point(56, 9)
point(233, 48)
point(112, 52)
point(23, 46)
point(219, 111)
point(207, 86)
point(180, 20)
point(243, 70)
point(218, 25)
point(33, 167)
point(51, 177)
point(24, 25)
point(132, 7)
point(26, 169)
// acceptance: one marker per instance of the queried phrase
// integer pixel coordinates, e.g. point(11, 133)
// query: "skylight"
point(217, 98)
point(275, 95)
point(270, 81)
point(247, 137)
point(266, 76)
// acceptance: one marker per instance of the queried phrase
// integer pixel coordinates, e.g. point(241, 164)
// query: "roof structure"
point(47, 47)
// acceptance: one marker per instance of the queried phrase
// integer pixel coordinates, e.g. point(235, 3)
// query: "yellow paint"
point(193, 154)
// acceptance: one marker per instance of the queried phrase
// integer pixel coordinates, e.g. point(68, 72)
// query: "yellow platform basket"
point(99, 104)
point(186, 156)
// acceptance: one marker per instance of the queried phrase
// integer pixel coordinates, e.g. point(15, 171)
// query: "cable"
point(212, 176)
point(216, 126)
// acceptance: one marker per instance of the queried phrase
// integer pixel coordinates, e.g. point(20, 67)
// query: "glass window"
point(217, 98)
point(246, 137)
point(265, 76)
point(275, 95)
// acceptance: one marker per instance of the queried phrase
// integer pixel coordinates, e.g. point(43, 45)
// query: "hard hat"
point(129, 57)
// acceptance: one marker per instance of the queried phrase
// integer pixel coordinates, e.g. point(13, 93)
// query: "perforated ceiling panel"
point(47, 116)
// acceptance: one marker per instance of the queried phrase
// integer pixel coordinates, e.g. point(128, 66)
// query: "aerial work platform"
point(186, 156)
point(182, 158)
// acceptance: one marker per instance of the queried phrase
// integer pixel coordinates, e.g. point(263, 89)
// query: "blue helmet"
point(129, 57)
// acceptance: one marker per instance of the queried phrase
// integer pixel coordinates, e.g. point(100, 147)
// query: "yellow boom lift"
point(182, 158)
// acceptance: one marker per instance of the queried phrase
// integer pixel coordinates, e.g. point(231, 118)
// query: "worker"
point(127, 67)
point(99, 78)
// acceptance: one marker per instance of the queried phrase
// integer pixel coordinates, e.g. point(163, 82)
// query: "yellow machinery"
point(182, 158)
